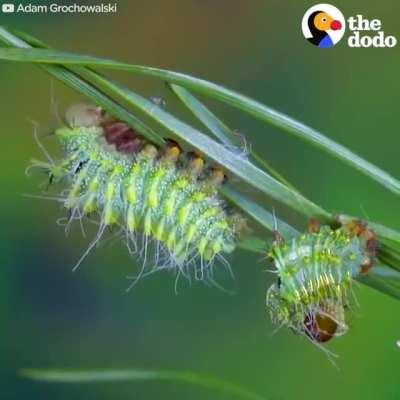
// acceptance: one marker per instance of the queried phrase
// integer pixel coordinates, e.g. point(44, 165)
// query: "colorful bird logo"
point(320, 23)
point(323, 25)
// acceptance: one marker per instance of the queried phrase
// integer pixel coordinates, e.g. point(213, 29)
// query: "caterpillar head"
point(85, 115)
point(320, 322)
point(325, 322)
point(88, 120)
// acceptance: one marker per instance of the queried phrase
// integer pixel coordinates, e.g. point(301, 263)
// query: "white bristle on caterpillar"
point(160, 197)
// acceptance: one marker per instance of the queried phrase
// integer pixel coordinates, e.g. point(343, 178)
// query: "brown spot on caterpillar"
point(217, 176)
point(314, 225)
point(355, 227)
point(196, 166)
point(366, 266)
point(172, 151)
point(125, 138)
point(359, 228)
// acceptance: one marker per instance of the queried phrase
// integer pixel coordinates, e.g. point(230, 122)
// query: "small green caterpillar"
point(159, 196)
point(315, 277)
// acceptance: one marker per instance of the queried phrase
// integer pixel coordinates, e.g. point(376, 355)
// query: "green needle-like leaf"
point(222, 131)
point(383, 279)
point(261, 215)
point(237, 165)
point(218, 92)
point(214, 124)
point(182, 377)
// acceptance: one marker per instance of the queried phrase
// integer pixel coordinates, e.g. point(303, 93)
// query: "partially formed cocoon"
point(315, 277)
point(160, 196)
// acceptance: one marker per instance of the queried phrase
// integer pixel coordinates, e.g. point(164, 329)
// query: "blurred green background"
point(54, 318)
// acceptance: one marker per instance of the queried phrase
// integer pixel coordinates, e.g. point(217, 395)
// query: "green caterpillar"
point(159, 196)
point(315, 278)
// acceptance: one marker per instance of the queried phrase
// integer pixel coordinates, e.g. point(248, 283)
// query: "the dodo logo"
point(323, 25)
